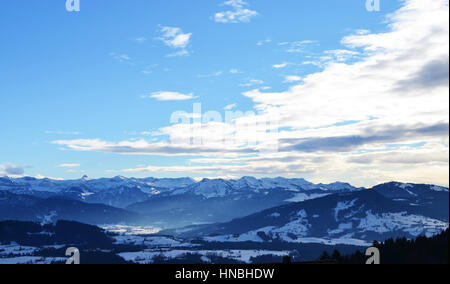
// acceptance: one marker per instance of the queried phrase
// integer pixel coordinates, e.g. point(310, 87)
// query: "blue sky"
point(115, 72)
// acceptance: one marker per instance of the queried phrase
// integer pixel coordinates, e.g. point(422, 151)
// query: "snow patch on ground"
point(341, 206)
point(341, 228)
point(298, 227)
point(252, 236)
point(413, 224)
point(405, 185)
point(439, 188)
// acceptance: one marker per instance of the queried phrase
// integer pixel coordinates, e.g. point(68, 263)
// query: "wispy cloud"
point(281, 65)
point(298, 46)
point(346, 143)
point(11, 170)
point(69, 166)
point(140, 39)
point(238, 13)
point(179, 53)
point(235, 71)
point(252, 82)
point(332, 57)
point(143, 147)
point(170, 96)
point(175, 38)
point(213, 74)
point(230, 107)
point(60, 132)
point(263, 42)
point(340, 55)
point(292, 79)
point(123, 58)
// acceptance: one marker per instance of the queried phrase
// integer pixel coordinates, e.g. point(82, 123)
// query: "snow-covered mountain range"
point(359, 217)
point(247, 209)
point(118, 191)
point(122, 192)
point(178, 202)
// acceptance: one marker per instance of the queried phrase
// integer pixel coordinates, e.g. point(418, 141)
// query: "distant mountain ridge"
point(167, 202)
point(118, 191)
point(177, 203)
point(30, 208)
point(122, 192)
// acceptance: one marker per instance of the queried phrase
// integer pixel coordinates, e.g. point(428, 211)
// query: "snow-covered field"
point(152, 241)
point(147, 256)
point(131, 230)
point(14, 249)
point(32, 260)
point(16, 254)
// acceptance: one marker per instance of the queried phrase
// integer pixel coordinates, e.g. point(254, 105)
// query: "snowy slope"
point(356, 217)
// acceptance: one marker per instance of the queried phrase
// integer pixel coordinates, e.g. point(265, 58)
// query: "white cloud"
point(230, 107)
point(370, 87)
point(340, 55)
point(292, 79)
point(280, 66)
point(252, 82)
point(69, 166)
point(170, 96)
point(175, 38)
point(235, 71)
point(333, 56)
point(140, 39)
point(180, 53)
point(213, 74)
point(298, 46)
point(238, 13)
point(123, 58)
point(263, 42)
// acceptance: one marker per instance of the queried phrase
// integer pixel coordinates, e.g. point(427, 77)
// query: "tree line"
point(422, 250)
